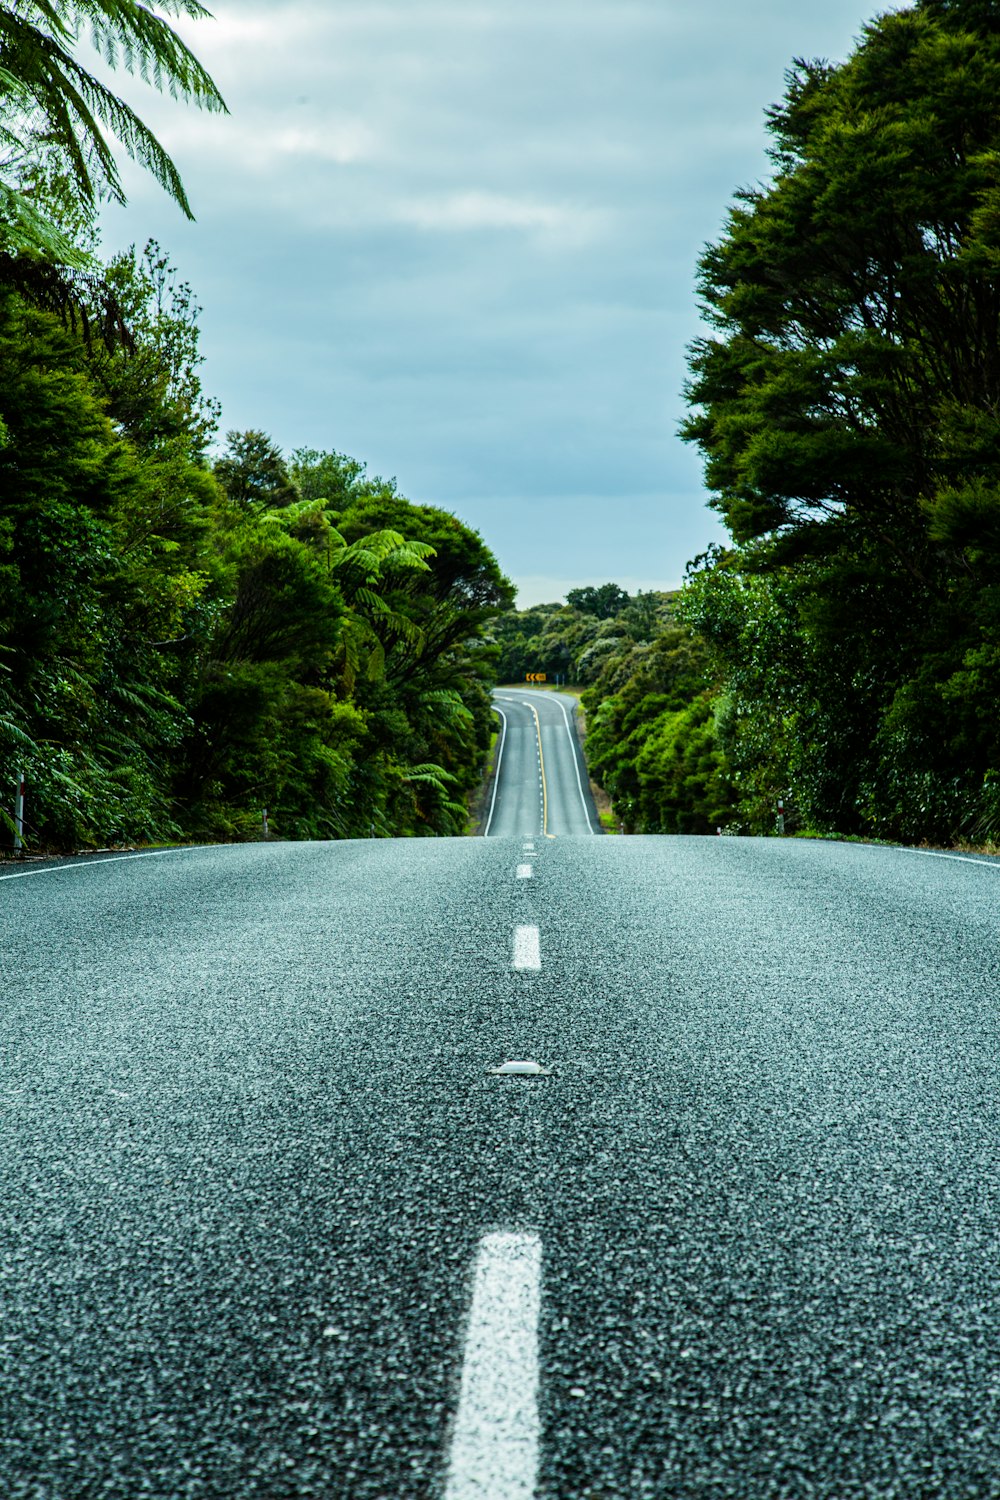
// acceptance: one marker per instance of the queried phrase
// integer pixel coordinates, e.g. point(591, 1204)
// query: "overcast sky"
point(458, 241)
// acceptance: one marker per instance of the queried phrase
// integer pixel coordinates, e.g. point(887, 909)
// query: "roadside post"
point(263, 821)
point(19, 812)
point(781, 815)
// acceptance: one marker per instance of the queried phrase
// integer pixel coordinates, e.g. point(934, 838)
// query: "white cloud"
point(457, 238)
point(343, 142)
point(488, 210)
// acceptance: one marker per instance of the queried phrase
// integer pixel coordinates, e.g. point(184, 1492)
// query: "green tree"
point(604, 602)
point(99, 586)
point(345, 685)
point(847, 402)
point(253, 472)
point(50, 104)
point(437, 675)
point(331, 477)
point(651, 740)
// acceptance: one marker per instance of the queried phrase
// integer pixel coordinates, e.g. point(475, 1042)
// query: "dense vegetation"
point(182, 647)
point(844, 652)
point(187, 641)
point(847, 402)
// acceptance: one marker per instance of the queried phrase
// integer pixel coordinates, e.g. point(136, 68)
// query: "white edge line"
point(576, 761)
point(963, 859)
point(90, 864)
point(496, 776)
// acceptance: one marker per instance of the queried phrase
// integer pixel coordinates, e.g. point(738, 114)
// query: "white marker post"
point(19, 812)
point(781, 816)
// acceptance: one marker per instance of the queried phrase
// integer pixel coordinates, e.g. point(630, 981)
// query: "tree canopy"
point(847, 402)
point(187, 639)
point(184, 644)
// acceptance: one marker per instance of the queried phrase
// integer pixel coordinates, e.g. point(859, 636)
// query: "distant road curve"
point(541, 785)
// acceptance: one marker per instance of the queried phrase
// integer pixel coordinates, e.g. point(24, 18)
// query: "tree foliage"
point(186, 642)
point(53, 108)
point(847, 403)
point(178, 652)
point(604, 602)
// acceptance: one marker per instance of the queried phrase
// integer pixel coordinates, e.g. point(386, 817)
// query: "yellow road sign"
point(536, 677)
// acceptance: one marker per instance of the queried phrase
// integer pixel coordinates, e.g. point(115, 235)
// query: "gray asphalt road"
point(249, 1149)
point(541, 782)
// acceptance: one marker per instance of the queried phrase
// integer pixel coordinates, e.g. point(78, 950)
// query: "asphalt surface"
point(541, 780)
point(249, 1146)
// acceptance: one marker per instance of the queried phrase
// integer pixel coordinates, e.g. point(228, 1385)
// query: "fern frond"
point(372, 601)
point(149, 47)
point(411, 555)
point(428, 771)
point(39, 69)
point(447, 699)
point(23, 229)
point(15, 733)
point(377, 548)
point(376, 663)
point(389, 618)
point(91, 102)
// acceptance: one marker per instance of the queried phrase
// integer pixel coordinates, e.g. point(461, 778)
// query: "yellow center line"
point(541, 762)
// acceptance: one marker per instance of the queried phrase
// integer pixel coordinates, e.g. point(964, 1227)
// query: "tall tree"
point(847, 402)
point(253, 472)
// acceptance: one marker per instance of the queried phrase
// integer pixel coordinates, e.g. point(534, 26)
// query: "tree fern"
point(49, 100)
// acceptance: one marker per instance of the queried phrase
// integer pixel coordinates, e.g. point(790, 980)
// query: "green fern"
point(53, 100)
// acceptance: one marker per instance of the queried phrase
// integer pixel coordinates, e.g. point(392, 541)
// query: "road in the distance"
point(541, 781)
point(271, 1227)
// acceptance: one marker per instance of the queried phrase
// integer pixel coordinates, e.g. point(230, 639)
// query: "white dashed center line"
point(527, 952)
point(524, 872)
point(494, 1446)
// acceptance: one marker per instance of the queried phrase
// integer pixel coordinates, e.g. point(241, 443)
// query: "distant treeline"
point(184, 643)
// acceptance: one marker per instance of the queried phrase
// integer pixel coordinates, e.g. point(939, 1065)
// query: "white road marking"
point(494, 1445)
point(527, 951)
point(524, 872)
point(576, 761)
point(963, 859)
point(90, 864)
point(529, 848)
point(526, 1068)
point(496, 774)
